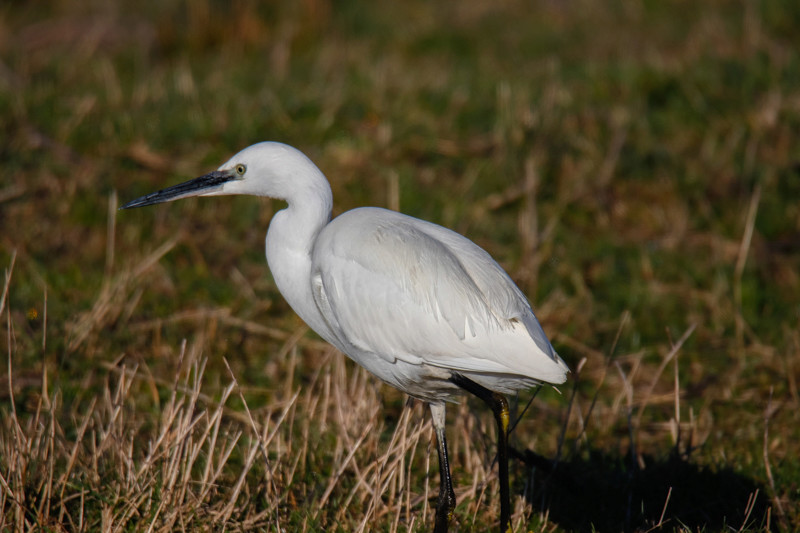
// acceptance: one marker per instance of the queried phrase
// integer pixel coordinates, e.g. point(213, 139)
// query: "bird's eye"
point(241, 169)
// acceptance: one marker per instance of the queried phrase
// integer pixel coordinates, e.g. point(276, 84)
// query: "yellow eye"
point(241, 169)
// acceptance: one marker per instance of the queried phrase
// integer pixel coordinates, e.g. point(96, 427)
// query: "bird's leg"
point(447, 498)
point(499, 405)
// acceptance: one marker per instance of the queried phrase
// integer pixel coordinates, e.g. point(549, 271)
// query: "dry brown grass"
point(191, 461)
point(158, 454)
point(633, 166)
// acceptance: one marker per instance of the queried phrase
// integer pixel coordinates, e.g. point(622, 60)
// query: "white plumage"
point(412, 301)
point(421, 307)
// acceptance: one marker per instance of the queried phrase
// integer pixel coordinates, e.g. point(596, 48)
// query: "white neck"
point(279, 171)
point(290, 241)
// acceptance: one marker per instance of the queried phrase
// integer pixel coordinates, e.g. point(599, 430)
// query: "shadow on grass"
point(608, 493)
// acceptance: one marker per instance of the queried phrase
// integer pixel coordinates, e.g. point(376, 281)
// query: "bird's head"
point(265, 169)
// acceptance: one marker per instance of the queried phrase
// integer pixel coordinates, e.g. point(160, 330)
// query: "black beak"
point(204, 184)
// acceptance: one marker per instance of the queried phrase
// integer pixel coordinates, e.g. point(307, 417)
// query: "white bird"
point(421, 307)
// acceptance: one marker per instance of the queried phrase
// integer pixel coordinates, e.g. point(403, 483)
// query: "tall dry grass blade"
point(664, 510)
point(8, 272)
point(224, 515)
point(110, 302)
point(741, 261)
point(343, 466)
point(776, 500)
point(657, 375)
point(676, 391)
point(76, 447)
point(609, 358)
point(45, 500)
point(264, 440)
point(748, 510)
point(211, 474)
point(391, 466)
point(572, 399)
point(409, 474)
point(111, 226)
point(223, 315)
point(18, 505)
point(44, 325)
point(17, 460)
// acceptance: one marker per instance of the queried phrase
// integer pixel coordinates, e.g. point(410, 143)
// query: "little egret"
point(421, 307)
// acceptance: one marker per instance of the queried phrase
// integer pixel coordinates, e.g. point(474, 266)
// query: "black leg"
point(499, 405)
point(447, 498)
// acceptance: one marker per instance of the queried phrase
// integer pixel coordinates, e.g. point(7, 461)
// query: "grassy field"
point(635, 166)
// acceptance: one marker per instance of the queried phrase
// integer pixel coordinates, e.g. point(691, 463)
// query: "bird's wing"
point(406, 289)
point(498, 289)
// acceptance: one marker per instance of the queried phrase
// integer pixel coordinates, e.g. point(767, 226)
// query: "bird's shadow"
point(604, 493)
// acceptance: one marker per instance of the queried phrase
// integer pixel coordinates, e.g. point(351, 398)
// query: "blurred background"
point(635, 166)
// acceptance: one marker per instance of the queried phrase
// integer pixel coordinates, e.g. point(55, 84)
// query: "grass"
point(633, 166)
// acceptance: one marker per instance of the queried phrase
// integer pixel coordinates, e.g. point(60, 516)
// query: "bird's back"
point(400, 293)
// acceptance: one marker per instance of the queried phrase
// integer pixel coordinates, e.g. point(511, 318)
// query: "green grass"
point(633, 166)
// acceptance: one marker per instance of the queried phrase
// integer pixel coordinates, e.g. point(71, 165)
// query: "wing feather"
point(402, 288)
